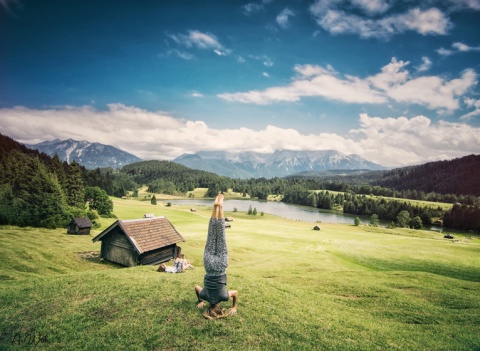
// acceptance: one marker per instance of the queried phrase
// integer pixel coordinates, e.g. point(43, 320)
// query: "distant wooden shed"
point(139, 241)
point(79, 226)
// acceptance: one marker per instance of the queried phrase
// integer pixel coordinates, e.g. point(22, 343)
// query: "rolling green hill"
point(340, 288)
point(459, 176)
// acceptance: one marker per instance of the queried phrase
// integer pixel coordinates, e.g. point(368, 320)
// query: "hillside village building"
point(79, 226)
point(145, 241)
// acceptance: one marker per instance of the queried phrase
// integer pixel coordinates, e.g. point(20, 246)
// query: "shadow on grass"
point(94, 257)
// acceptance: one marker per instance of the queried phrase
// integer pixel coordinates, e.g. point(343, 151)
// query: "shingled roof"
point(146, 234)
point(82, 222)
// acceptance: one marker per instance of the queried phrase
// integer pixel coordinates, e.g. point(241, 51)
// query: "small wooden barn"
point(79, 226)
point(139, 241)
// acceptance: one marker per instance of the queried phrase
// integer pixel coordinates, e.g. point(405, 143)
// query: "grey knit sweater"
point(215, 256)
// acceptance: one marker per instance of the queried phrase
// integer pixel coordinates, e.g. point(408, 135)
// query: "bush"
point(356, 221)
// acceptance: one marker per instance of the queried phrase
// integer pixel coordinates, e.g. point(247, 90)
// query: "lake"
point(297, 212)
point(302, 213)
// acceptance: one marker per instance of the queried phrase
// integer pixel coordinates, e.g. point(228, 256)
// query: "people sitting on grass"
point(179, 265)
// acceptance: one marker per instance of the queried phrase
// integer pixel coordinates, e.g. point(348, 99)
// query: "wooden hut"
point(79, 226)
point(139, 241)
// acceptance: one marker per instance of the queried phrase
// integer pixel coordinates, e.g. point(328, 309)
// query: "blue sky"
point(393, 81)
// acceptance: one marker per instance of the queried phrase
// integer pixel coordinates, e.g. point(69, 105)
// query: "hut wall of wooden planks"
point(79, 226)
point(139, 242)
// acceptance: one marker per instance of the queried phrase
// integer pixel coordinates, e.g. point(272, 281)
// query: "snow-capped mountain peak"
point(90, 155)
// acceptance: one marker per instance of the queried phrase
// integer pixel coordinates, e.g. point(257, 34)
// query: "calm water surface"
point(302, 213)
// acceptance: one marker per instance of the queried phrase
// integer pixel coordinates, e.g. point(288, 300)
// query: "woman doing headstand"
point(215, 261)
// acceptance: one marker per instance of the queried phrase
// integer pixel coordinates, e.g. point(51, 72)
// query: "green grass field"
point(340, 288)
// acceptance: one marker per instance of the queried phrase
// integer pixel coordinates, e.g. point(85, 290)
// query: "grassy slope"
point(341, 288)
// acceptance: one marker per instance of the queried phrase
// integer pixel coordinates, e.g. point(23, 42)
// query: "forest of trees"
point(38, 190)
point(42, 191)
point(459, 176)
point(364, 205)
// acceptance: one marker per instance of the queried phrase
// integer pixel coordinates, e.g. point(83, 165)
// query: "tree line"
point(458, 177)
point(364, 205)
point(42, 191)
point(171, 178)
point(39, 190)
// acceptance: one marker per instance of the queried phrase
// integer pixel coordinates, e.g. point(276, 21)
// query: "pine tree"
point(56, 168)
point(75, 186)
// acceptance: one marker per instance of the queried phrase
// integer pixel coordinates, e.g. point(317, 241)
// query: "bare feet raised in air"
point(218, 200)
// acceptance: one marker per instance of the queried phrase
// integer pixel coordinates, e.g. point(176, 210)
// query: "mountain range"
point(242, 165)
point(280, 163)
point(90, 155)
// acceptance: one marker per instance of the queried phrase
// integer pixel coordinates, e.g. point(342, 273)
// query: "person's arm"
point(234, 295)
point(200, 302)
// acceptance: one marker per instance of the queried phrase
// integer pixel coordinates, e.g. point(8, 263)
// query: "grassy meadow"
point(340, 288)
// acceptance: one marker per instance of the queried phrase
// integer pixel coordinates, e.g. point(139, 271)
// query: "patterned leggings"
point(215, 256)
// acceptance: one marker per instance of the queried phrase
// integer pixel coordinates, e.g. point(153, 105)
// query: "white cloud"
point(156, 135)
point(393, 74)
point(330, 16)
point(255, 7)
point(464, 47)
point(251, 8)
point(457, 47)
point(221, 52)
point(393, 82)
point(199, 40)
point(434, 92)
point(372, 6)
point(431, 21)
point(283, 17)
point(426, 64)
point(416, 140)
point(444, 52)
point(462, 4)
point(471, 103)
point(312, 81)
point(461, 47)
